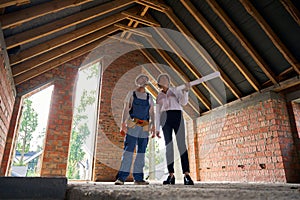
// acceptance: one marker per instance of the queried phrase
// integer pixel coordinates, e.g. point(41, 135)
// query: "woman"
point(169, 104)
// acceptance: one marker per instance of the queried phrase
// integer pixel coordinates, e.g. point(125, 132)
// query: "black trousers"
point(173, 120)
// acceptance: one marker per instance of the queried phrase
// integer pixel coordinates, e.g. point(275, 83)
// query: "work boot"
point(119, 182)
point(142, 182)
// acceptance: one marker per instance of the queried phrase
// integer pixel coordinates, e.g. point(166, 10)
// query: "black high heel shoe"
point(187, 180)
point(170, 180)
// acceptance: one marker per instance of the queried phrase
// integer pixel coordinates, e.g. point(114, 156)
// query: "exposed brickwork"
point(192, 148)
point(252, 143)
point(7, 99)
point(56, 149)
point(10, 139)
point(60, 115)
point(291, 145)
point(118, 78)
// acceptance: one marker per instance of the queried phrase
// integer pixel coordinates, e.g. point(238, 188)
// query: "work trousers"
point(135, 136)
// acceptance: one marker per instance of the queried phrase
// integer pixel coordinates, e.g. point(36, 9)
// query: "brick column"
point(58, 132)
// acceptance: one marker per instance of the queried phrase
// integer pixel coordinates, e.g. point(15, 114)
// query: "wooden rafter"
point(181, 74)
point(58, 25)
point(136, 23)
point(271, 34)
point(128, 41)
point(181, 55)
point(190, 38)
point(153, 4)
point(16, 18)
point(141, 19)
point(7, 3)
point(244, 42)
point(58, 52)
point(294, 12)
point(222, 44)
point(64, 39)
point(56, 62)
point(133, 30)
point(153, 62)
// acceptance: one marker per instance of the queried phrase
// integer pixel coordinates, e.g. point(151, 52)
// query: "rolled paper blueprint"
point(200, 80)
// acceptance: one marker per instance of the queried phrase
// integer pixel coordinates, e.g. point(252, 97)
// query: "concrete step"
point(201, 190)
point(33, 188)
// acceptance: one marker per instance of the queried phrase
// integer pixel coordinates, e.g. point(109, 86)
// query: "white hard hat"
point(163, 80)
point(142, 80)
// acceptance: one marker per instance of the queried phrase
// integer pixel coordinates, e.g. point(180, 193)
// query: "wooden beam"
point(143, 13)
point(56, 62)
point(64, 39)
point(126, 41)
point(294, 12)
point(181, 55)
point(133, 30)
point(207, 59)
point(16, 18)
point(58, 52)
point(181, 74)
point(7, 3)
point(221, 43)
point(143, 20)
point(243, 40)
point(286, 84)
point(72, 20)
point(271, 34)
point(154, 4)
point(153, 61)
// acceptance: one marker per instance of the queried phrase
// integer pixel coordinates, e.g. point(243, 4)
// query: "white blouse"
point(173, 100)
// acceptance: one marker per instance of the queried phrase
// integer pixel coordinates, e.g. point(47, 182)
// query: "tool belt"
point(138, 122)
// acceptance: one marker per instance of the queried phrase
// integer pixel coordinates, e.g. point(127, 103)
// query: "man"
point(137, 120)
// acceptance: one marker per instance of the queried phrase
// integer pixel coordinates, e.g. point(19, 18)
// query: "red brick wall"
point(252, 143)
point(60, 117)
point(7, 99)
point(118, 78)
point(10, 139)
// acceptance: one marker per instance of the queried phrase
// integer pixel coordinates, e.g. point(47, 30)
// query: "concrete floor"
point(201, 190)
